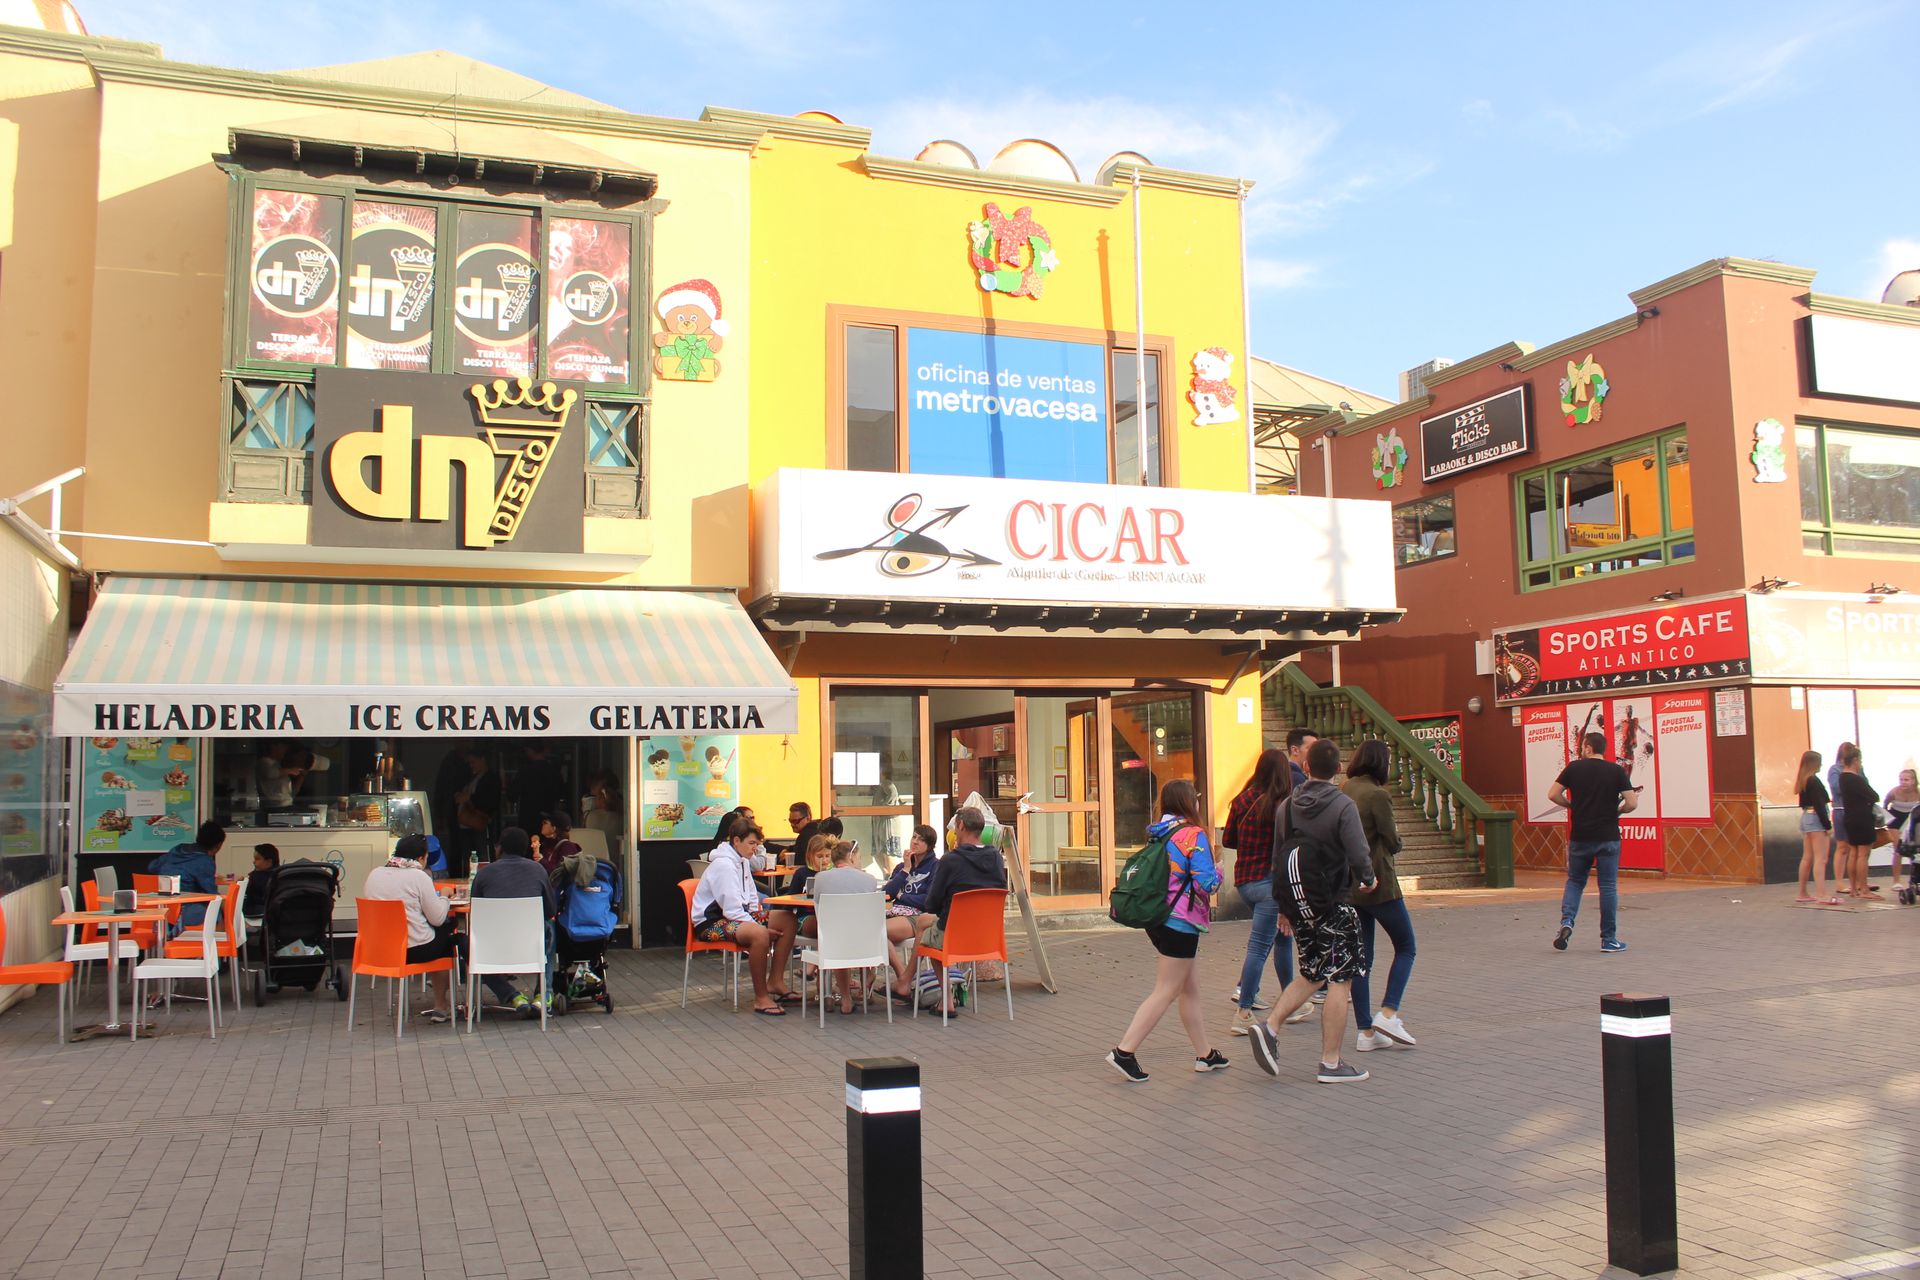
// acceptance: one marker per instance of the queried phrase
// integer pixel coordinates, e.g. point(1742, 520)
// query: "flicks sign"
point(1698, 642)
point(1482, 432)
point(440, 463)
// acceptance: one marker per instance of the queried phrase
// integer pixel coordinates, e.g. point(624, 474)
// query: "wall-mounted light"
point(1475, 704)
point(1662, 597)
point(1883, 589)
point(1768, 585)
point(1505, 367)
point(1648, 313)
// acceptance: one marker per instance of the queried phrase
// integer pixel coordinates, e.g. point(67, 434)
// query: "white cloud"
point(1270, 275)
point(1896, 255)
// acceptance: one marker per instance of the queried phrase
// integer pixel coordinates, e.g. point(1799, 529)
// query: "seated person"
point(968, 865)
point(842, 876)
point(555, 843)
point(907, 887)
point(193, 863)
point(253, 903)
point(727, 908)
point(430, 933)
point(815, 846)
point(436, 858)
point(515, 874)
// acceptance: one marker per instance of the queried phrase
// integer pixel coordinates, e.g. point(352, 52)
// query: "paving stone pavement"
point(708, 1143)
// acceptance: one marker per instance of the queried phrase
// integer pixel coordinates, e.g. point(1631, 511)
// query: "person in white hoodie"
point(727, 908)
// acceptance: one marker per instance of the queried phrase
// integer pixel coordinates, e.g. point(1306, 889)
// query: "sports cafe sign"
point(880, 536)
point(434, 462)
point(373, 714)
point(1696, 642)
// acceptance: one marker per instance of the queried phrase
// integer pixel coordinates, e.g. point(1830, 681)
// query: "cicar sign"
point(440, 463)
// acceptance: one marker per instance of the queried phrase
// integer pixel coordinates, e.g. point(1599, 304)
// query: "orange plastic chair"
point(695, 947)
point(48, 973)
point(144, 934)
point(380, 951)
point(976, 931)
point(226, 942)
point(151, 884)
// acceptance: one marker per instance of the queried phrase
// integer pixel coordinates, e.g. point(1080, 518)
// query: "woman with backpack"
point(1191, 880)
point(1383, 905)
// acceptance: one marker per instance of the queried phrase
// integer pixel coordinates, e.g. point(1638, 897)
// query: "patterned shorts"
point(717, 930)
point(1329, 950)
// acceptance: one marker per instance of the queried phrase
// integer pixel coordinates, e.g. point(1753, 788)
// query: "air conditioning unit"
point(1413, 383)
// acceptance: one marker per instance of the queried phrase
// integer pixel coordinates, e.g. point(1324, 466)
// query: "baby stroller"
point(1906, 844)
point(582, 926)
point(296, 930)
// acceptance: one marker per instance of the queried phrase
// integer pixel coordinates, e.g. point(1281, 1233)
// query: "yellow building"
point(436, 448)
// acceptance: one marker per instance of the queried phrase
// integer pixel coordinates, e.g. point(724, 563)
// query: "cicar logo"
point(295, 275)
point(521, 423)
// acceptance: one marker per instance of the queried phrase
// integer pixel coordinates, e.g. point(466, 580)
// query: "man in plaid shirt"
point(1249, 833)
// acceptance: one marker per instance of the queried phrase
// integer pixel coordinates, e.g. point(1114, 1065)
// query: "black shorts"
point(1175, 944)
point(1329, 950)
point(445, 943)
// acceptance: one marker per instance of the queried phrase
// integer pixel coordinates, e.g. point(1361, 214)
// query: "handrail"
point(1347, 714)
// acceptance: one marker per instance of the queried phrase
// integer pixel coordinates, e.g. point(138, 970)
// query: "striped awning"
point(216, 657)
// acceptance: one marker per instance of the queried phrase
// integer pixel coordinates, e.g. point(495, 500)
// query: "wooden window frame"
point(840, 317)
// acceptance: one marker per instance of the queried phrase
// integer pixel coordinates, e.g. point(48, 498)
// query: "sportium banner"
point(979, 404)
point(1693, 642)
point(293, 304)
point(589, 299)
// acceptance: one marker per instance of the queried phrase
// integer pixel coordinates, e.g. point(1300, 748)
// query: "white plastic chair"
point(853, 935)
point(506, 935)
point(206, 966)
point(83, 952)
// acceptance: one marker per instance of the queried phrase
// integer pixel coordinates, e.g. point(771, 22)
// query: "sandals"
point(769, 1013)
point(784, 997)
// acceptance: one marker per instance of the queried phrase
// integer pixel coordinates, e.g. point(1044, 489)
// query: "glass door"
point(874, 772)
point(1152, 743)
point(1060, 833)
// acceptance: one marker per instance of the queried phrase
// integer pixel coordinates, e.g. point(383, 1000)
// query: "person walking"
point(1320, 858)
point(1249, 833)
point(1854, 801)
point(1595, 791)
point(1816, 824)
point(1384, 905)
point(1191, 880)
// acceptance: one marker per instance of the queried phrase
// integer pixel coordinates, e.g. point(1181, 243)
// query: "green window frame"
point(266, 410)
point(1544, 539)
point(1876, 509)
point(1423, 530)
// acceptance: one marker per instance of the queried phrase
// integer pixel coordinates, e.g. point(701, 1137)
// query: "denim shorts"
point(1810, 824)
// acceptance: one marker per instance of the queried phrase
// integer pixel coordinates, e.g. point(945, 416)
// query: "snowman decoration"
point(1212, 393)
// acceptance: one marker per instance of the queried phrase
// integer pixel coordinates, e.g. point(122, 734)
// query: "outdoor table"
point(113, 920)
point(789, 901)
point(775, 873)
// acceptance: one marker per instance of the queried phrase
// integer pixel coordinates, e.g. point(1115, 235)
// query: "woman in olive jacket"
point(1385, 906)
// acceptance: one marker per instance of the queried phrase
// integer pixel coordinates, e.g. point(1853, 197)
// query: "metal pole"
point(1140, 339)
point(884, 1235)
point(1636, 1062)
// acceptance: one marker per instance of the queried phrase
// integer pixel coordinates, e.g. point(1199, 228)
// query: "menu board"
point(24, 790)
point(137, 794)
point(686, 783)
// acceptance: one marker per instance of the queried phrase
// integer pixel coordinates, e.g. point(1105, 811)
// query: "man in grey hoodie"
point(1328, 945)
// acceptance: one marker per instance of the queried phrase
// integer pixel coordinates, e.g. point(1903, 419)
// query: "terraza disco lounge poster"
point(293, 302)
point(589, 314)
point(496, 293)
point(390, 287)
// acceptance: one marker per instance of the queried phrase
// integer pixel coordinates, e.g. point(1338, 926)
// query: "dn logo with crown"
point(521, 422)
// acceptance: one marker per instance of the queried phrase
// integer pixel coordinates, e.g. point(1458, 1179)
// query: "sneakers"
point(1214, 1061)
point(1611, 945)
point(1371, 1039)
point(1391, 1026)
point(1301, 1014)
point(1340, 1073)
point(1560, 938)
point(1129, 1066)
point(524, 1007)
point(1265, 1046)
point(1258, 1003)
point(1243, 1022)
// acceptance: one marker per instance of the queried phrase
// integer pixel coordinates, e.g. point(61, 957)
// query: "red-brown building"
point(1695, 528)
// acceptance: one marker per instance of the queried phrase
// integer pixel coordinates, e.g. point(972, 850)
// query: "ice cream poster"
point(137, 794)
point(686, 783)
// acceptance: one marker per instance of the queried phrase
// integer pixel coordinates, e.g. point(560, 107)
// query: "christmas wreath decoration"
point(1582, 392)
point(1389, 459)
point(1013, 255)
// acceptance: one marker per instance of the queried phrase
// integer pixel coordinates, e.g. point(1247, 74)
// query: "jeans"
point(1582, 857)
point(503, 990)
point(1391, 916)
point(1265, 938)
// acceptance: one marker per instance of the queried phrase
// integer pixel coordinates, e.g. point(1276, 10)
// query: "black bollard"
point(1636, 1065)
point(884, 1239)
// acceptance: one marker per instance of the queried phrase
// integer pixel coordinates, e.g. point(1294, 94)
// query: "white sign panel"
point(1686, 780)
point(883, 536)
point(1866, 358)
point(1730, 713)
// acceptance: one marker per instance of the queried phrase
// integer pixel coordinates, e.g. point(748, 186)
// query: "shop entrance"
point(1075, 772)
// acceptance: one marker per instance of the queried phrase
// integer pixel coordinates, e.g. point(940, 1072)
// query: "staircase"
point(1451, 838)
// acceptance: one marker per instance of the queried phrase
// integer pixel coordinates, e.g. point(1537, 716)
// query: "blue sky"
point(1434, 179)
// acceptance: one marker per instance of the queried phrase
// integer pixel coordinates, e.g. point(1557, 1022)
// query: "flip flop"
point(1804, 898)
point(1825, 902)
point(785, 997)
point(770, 1013)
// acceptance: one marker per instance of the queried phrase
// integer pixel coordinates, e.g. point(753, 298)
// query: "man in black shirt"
point(1596, 791)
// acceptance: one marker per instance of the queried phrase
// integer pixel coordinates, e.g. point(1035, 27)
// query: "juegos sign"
point(1696, 642)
